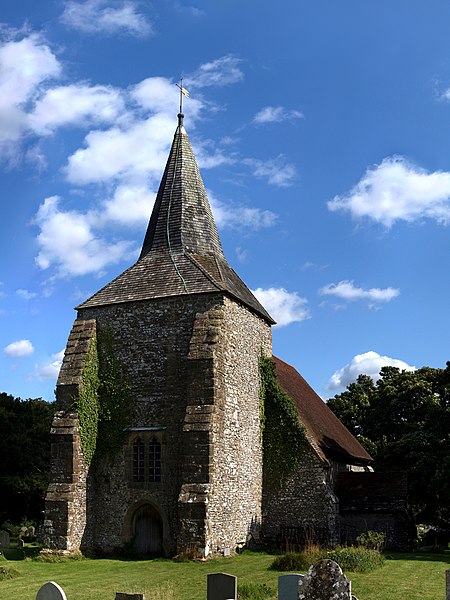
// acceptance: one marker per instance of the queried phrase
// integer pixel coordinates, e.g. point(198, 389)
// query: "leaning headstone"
point(122, 596)
point(51, 591)
point(4, 539)
point(325, 581)
point(288, 586)
point(221, 586)
point(447, 575)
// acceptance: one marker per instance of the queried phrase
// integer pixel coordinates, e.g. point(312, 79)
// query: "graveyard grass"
point(416, 576)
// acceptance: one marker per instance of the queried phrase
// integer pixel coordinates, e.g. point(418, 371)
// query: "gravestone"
point(447, 575)
point(4, 539)
point(325, 581)
point(20, 543)
point(288, 586)
point(221, 586)
point(31, 531)
point(123, 596)
point(51, 591)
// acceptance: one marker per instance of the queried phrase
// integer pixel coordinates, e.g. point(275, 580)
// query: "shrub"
point(373, 540)
point(358, 560)
point(8, 573)
point(291, 561)
point(255, 591)
point(58, 556)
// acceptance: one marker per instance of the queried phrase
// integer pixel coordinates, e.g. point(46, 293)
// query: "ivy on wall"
point(103, 403)
point(87, 403)
point(283, 436)
point(114, 393)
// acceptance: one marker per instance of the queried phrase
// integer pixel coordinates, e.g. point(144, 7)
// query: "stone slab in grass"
point(51, 591)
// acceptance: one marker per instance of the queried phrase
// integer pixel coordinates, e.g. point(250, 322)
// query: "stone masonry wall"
point(234, 507)
point(305, 508)
point(175, 352)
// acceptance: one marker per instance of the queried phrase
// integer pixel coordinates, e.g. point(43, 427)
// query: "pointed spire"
point(181, 253)
point(182, 220)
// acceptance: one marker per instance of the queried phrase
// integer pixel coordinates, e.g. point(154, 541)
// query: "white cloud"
point(137, 152)
point(130, 206)
point(348, 291)
point(285, 307)
point(68, 243)
point(276, 114)
point(226, 215)
point(396, 190)
point(51, 369)
point(25, 294)
point(368, 363)
point(19, 349)
point(276, 170)
point(219, 72)
point(24, 66)
point(76, 104)
point(95, 16)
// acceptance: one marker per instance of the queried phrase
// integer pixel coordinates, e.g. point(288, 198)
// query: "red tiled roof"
point(328, 436)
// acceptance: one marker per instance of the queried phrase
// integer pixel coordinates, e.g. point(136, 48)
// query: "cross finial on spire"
point(183, 92)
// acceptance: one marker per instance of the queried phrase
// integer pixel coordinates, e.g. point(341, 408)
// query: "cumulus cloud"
point(130, 206)
point(24, 66)
point(285, 307)
point(397, 190)
point(277, 171)
point(19, 349)
point(348, 291)
point(136, 151)
point(368, 363)
point(51, 370)
point(76, 104)
point(236, 217)
point(276, 114)
point(222, 71)
point(68, 243)
point(98, 16)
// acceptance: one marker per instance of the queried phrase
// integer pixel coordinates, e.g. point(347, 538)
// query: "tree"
point(24, 457)
point(403, 420)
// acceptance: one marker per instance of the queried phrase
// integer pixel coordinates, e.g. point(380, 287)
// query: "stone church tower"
point(188, 334)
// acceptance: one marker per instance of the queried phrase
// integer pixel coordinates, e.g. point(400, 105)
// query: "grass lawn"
point(403, 577)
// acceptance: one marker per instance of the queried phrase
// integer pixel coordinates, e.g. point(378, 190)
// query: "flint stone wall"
point(192, 364)
point(305, 509)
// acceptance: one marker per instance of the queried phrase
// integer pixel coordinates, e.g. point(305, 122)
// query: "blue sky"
point(322, 131)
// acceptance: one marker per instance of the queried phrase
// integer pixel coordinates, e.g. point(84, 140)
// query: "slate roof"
point(181, 253)
point(328, 436)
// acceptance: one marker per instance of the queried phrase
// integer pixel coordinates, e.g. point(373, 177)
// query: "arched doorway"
point(147, 531)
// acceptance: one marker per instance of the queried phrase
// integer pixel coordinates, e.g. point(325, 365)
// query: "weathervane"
point(183, 92)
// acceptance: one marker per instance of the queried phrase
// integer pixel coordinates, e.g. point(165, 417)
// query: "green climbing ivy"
point(87, 403)
point(103, 403)
point(283, 436)
point(115, 398)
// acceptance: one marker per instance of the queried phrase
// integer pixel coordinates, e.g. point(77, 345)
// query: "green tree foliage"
point(403, 420)
point(24, 457)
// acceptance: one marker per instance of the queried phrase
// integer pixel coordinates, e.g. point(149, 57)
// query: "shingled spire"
point(181, 253)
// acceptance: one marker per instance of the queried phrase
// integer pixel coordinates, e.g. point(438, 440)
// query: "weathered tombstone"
point(51, 591)
point(31, 531)
point(325, 581)
point(288, 586)
point(221, 586)
point(4, 539)
point(123, 596)
point(20, 543)
point(447, 575)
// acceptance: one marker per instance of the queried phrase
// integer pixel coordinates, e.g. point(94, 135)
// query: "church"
point(156, 443)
